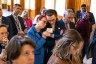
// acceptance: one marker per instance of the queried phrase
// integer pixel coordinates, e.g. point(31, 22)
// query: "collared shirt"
point(67, 26)
point(0, 20)
point(17, 22)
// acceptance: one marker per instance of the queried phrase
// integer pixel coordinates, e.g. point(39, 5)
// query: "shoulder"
point(32, 30)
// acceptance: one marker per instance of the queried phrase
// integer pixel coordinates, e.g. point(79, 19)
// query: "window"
point(60, 7)
point(93, 7)
point(8, 2)
point(16, 1)
point(32, 4)
point(49, 4)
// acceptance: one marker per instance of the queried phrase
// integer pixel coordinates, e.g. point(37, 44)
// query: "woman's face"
point(42, 22)
point(74, 48)
point(3, 33)
point(26, 56)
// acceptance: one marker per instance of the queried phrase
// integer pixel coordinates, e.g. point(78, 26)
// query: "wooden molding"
point(4, 6)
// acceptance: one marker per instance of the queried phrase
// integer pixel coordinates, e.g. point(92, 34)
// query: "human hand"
point(21, 33)
point(46, 33)
point(2, 62)
point(5, 40)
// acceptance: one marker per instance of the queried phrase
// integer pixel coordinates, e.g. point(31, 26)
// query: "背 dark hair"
point(51, 12)
point(3, 25)
point(15, 5)
point(40, 17)
point(83, 5)
point(15, 44)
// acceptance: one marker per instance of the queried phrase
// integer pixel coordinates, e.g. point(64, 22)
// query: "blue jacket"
point(39, 41)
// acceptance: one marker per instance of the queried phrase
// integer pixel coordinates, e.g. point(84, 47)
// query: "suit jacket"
point(71, 24)
point(7, 21)
point(39, 41)
point(91, 19)
point(15, 31)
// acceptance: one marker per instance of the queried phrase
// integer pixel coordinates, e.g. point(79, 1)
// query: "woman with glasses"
point(20, 50)
point(39, 38)
point(68, 49)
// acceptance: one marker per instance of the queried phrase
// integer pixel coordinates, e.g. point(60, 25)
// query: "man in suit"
point(80, 13)
point(56, 32)
point(6, 21)
point(66, 20)
point(17, 21)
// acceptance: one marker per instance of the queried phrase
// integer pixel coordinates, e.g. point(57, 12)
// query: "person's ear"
point(64, 15)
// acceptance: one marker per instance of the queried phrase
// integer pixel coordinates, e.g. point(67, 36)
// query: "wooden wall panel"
point(70, 4)
point(22, 4)
point(76, 4)
point(31, 13)
point(37, 6)
point(42, 3)
point(4, 6)
point(12, 4)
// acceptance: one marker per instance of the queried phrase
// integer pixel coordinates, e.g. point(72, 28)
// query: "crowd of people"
point(45, 39)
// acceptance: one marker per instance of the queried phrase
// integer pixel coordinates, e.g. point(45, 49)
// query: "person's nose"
point(31, 56)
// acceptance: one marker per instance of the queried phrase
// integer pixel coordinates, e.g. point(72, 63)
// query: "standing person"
point(56, 32)
point(68, 16)
point(92, 47)
point(17, 21)
point(68, 49)
point(20, 50)
point(83, 27)
point(6, 21)
point(80, 13)
point(38, 38)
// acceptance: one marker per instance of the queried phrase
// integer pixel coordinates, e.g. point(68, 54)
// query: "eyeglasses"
point(2, 33)
point(51, 20)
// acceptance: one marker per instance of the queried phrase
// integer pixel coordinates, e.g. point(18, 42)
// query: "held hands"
point(45, 34)
point(5, 41)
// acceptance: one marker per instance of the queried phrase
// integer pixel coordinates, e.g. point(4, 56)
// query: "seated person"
point(27, 19)
point(20, 50)
point(68, 49)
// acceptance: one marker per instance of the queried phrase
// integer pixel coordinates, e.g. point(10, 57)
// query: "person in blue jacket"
point(92, 47)
point(39, 38)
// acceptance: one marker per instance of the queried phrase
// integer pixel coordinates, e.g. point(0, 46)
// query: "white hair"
point(24, 13)
point(66, 12)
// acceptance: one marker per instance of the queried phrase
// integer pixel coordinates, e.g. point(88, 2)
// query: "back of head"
point(24, 13)
point(42, 11)
point(14, 47)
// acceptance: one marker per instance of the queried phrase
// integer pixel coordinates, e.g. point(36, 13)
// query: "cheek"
point(21, 60)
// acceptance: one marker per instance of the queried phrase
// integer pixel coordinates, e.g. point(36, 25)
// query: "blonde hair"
point(62, 48)
point(25, 12)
